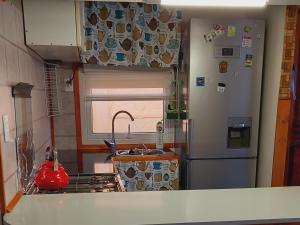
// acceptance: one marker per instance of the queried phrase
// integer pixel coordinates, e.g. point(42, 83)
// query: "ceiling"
point(284, 2)
point(271, 2)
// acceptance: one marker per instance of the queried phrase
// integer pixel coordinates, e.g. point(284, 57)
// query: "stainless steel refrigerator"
point(225, 60)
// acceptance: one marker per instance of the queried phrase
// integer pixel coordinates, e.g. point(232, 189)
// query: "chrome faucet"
point(112, 144)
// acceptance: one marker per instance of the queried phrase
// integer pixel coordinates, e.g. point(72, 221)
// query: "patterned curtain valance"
point(131, 34)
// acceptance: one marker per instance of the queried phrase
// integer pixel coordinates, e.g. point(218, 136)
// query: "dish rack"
point(53, 101)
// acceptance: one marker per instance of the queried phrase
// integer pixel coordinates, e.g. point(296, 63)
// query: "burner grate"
point(83, 183)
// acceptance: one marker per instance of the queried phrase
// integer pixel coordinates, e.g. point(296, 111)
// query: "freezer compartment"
point(221, 173)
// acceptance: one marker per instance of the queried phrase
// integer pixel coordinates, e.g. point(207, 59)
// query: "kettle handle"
point(55, 166)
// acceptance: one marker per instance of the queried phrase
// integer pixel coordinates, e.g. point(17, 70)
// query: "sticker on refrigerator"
point(223, 66)
point(247, 42)
point(247, 29)
point(231, 31)
point(248, 60)
point(221, 87)
point(217, 30)
point(209, 37)
point(200, 81)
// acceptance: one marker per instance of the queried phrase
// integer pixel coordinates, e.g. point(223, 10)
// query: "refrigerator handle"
point(189, 134)
point(188, 175)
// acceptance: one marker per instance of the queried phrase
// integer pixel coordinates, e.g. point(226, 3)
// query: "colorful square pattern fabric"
point(126, 34)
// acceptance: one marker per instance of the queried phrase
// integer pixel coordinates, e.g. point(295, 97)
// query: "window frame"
point(90, 138)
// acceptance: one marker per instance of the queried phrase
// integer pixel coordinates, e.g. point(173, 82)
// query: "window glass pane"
point(146, 114)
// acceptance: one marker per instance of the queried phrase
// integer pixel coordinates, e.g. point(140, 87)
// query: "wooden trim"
point(280, 157)
point(2, 187)
point(12, 204)
point(293, 154)
point(102, 148)
point(285, 102)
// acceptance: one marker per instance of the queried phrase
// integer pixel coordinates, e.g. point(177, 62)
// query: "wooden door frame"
point(284, 121)
point(2, 187)
point(294, 128)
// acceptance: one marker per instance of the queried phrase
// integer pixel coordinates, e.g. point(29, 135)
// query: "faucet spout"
point(112, 144)
point(113, 123)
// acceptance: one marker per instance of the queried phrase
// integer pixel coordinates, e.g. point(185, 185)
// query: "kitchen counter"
point(231, 206)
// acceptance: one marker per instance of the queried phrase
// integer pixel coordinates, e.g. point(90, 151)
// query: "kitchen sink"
point(139, 152)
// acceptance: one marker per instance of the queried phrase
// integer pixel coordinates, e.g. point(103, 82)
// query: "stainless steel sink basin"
point(139, 152)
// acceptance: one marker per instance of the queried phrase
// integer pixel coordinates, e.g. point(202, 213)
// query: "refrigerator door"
point(221, 173)
point(225, 88)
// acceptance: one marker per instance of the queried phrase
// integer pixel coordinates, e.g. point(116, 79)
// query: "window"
point(105, 92)
point(146, 114)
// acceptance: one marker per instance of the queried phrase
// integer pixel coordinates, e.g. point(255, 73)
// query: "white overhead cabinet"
point(51, 29)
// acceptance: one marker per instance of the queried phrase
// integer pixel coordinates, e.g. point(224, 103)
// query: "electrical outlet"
point(68, 82)
point(6, 128)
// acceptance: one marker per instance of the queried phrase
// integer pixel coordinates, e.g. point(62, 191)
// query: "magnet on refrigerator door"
point(248, 60)
point(231, 31)
point(209, 37)
point(247, 42)
point(200, 81)
point(223, 66)
point(217, 30)
point(221, 87)
point(247, 29)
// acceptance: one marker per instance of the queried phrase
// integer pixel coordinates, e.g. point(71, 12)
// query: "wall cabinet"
point(51, 29)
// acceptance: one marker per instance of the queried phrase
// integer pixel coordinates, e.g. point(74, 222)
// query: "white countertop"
point(231, 206)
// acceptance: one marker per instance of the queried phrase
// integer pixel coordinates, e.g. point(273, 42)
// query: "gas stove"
point(86, 183)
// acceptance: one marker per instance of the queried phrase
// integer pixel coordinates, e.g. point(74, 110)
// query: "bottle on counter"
point(159, 135)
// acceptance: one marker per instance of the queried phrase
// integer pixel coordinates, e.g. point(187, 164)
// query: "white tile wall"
point(3, 74)
point(19, 25)
point(23, 60)
point(68, 104)
point(38, 104)
point(65, 125)
point(8, 153)
point(65, 143)
point(1, 20)
point(40, 153)
point(9, 20)
point(11, 187)
point(41, 133)
point(7, 107)
point(19, 64)
point(12, 63)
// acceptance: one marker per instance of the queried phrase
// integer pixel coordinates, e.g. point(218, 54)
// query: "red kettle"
point(51, 175)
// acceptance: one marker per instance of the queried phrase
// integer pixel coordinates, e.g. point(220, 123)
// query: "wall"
point(19, 64)
point(270, 92)
point(64, 125)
